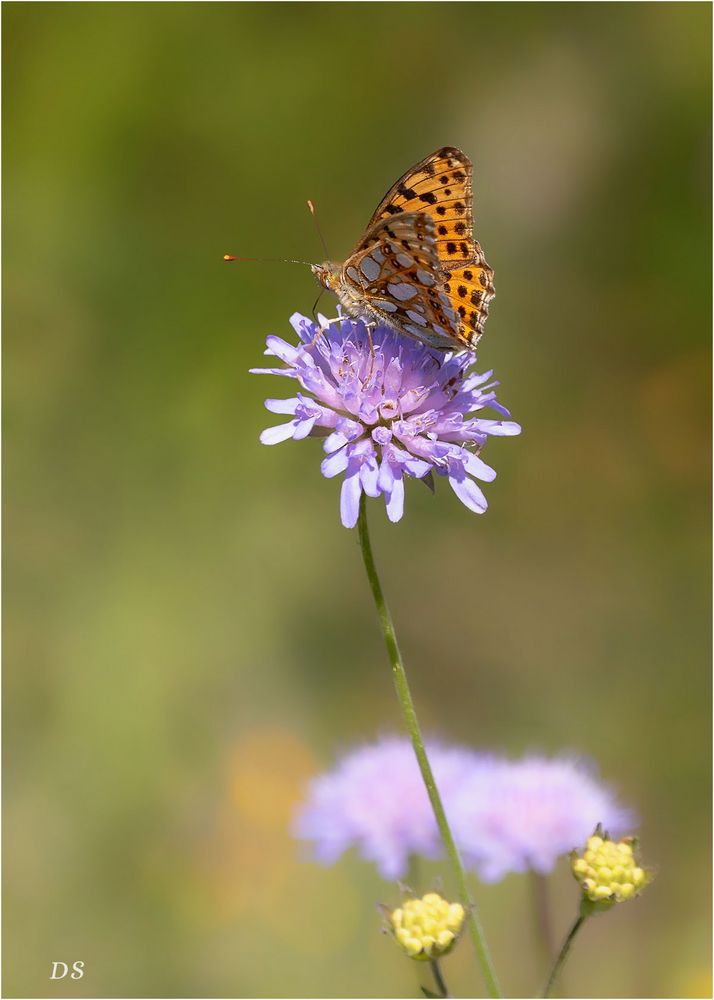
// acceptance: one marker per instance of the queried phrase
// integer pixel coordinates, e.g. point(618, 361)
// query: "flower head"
point(515, 815)
point(607, 871)
point(374, 799)
point(427, 928)
point(387, 407)
point(506, 815)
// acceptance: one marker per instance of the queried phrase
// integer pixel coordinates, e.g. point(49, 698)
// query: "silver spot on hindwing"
point(425, 277)
point(416, 317)
point(401, 291)
point(404, 260)
point(369, 268)
point(353, 275)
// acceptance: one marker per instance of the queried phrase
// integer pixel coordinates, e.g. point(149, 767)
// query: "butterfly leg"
point(321, 332)
point(371, 350)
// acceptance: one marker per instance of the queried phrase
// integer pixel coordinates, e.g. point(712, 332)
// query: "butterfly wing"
point(396, 276)
point(440, 186)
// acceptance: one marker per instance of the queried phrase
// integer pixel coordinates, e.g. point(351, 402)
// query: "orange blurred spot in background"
point(268, 769)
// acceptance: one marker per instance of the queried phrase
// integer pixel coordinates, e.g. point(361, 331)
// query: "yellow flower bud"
point(427, 928)
point(444, 939)
point(455, 917)
point(607, 871)
point(639, 876)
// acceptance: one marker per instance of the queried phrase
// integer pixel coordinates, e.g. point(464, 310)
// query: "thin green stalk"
point(550, 987)
point(541, 909)
point(412, 724)
point(439, 979)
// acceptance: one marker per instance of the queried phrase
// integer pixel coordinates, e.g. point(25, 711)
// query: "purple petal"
point(274, 435)
point(281, 349)
point(505, 428)
point(303, 428)
point(282, 405)
point(303, 327)
point(414, 466)
point(395, 501)
point(477, 467)
point(349, 500)
point(285, 372)
point(334, 442)
point(369, 474)
point(469, 494)
point(386, 476)
point(334, 464)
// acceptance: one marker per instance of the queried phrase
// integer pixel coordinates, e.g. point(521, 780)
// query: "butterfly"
point(417, 268)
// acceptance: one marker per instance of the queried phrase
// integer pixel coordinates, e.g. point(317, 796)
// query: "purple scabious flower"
point(505, 815)
point(374, 800)
point(387, 407)
point(516, 815)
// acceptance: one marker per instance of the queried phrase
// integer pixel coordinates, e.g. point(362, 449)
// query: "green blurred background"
point(188, 632)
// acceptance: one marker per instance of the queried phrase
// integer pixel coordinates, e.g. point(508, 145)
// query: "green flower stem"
point(541, 910)
point(560, 960)
point(439, 979)
point(412, 723)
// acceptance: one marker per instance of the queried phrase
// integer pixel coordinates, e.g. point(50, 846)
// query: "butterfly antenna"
point(268, 260)
point(317, 226)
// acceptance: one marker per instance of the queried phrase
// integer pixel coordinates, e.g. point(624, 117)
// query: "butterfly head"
point(328, 274)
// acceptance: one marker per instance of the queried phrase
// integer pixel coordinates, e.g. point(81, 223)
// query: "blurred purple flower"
point(506, 816)
point(516, 815)
point(374, 799)
point(386, 410)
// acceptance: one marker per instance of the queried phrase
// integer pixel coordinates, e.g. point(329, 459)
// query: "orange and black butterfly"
point(418, 268)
